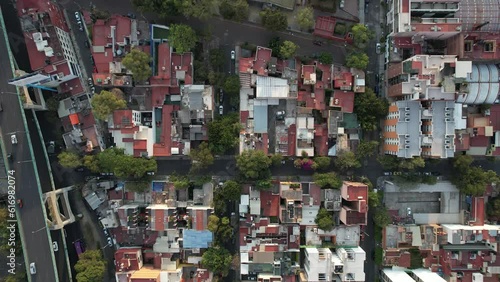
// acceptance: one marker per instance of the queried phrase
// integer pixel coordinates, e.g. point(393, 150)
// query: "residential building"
point(346, 264)
point(390, 275)
point(301, 202)
point(355, 203)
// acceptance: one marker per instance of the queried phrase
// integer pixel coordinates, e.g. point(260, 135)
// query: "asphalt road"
point(37, 245)
point(230, 32)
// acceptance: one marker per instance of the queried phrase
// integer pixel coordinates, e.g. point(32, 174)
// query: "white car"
point(32, 268)
point(221, 110)
point(110, 241)
point(77, 16)
point(233, 55)
point(378, 48)
point(13, 139)
point(55, 246)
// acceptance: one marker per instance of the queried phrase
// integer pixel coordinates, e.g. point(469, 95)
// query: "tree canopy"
point(472, 180)
point(105, 103)
point(346, 160)
point(275, 45)
point(324, 220)
point(163, 8)
point(361, 35)
point(493, 209)
point(182, 38)
point(138, 62)
point(381, 217)
point(231, 190)
point(373, 199)
point(232, 85)
point(357, 60)
point(328, 180)
point(253, 165)
point(90, 267)
point(123, 166)
point(221, 228)
point(325, 58)
point(69, 159)
point(201, 157)
point(322, 162)
point(305, 18)
point(236, 10)
point(366, 149)
point(276, 159)
point(217, 259)
point(370, 109)
point(288, 49)
point(273, 19)
point(200, 9)
point(223, 133)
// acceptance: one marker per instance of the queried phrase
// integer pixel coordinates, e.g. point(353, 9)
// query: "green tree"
point(264, 184)
point(52, 104)
point(357, 60)
point(138, 62)
point(493, 209)
point(138, 186)
point(322, 162)
point(219, 202)
point(373, 199)
point(90, 267)
point(69, 159)
point(462, 162)
point(224, 230)
point(273, 20)
point(91, 162)
point(276, 159)
point(216, 78)
point(200, 9)
point(232, 85)
point(382, 218)
point(411, 164)
point(253, 165)
point(216, 58)
point(346, 160)
point(123, 166)
point(217, 259)
point(213, 223)
point(231, 190)
point(201, 157)
point(388, 161)
point(275, 45)
point(106, 103)
point(370, 109)
point(164, 8)
point(182, 38)
point(223, 134)
point(327, 180)
point(288, 49)
point(305, 18)
point(325, 58)
point(324, 220)
point(474, 180)
point(366, 149)
point(236, 10)
point(180, 181)
point(361, 35)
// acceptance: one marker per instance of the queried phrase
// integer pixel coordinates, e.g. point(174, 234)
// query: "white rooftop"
point(397, 276)
point(426, 275)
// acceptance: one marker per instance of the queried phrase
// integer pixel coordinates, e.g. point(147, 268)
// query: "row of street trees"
point(357, 58)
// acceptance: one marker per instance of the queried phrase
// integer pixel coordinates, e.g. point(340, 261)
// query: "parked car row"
point(389, 173)
point(79, 19)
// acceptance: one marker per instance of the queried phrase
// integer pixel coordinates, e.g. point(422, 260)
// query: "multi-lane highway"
point(36, 239)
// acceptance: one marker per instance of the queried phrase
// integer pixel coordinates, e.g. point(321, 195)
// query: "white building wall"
point(354, 261)
point(68, 51)
point(315, 268)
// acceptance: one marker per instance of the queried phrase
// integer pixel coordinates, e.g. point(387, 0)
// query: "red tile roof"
point(244, 116)
point(321, 139)
point(163, 149)
point(199, 220)
point(246, 65)
point(307, 70)
point(102, 60)
point(354, 191)
point(140, 146)
point(158, 94)
point(122, 119)
point(182, 62)
point(74, 119)
point(164, 62)
point(343, 100)
point(324, 26)
point(478, 211)
point(495, 116)
point(319, 96)
point(272, 230)
point(462, 144)
point(269, 203)
point(344, 82)
point(126, 259)
point(262, 57)
point(160, 217)
point(479, 141)
point(101, 31)
point(73, 87)
point(271, 248)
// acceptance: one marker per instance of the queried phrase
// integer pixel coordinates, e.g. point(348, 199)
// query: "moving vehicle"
point(32, 268)
point(233, 55)
point(55, 246)
point(79, 247)
point(317, 43)
point(19, 203)
point(13, 139)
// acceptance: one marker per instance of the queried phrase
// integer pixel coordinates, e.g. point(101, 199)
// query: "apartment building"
point(345, 264)
point(355, 203)
point(416, 275)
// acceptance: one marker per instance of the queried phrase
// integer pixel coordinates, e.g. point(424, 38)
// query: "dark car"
point(87, 44)
point(318, 43)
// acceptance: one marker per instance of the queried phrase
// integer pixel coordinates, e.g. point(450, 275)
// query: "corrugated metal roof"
point(260, 119)
point(197, 239)
point(272, 87)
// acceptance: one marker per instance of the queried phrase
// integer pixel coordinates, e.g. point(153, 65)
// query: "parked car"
point(106, 232)
point(32, 268)
point(55, 246)
point(221, 110)
point(77, 16)
point(408, 211)
point(110, 241)
point(87, 44)
point(90, 79)
point(233, 55)
point(13, 139)
point(317, 43)
point(221, 96)
point(387, 173)
point(378, 48)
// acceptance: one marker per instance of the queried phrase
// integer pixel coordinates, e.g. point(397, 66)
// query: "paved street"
point(37, 246)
